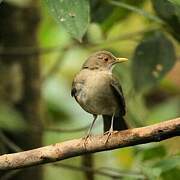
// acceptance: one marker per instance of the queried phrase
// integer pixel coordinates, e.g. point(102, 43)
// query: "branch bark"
point(77, 147)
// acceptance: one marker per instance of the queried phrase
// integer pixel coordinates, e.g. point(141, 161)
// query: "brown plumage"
point(98, 91)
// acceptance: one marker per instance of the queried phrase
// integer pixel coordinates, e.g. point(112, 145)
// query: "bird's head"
point(102, 60)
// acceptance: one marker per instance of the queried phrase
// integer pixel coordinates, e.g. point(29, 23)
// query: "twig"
point(137, 10)
point(8, 175)
point(101, 171)
point(9, 143)
point(127, 173)
point(81, 168)
point(32, 51)
point(128, 36)
point(88, 161)
point(57, 129)
point(54, 68)
point(27, 51)
point(77, 147)
point(58, 61)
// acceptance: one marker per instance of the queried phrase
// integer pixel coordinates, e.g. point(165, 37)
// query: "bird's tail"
point(118, 124)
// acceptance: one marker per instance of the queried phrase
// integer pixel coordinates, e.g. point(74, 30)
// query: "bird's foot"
point(85, 140)
point(108, 134)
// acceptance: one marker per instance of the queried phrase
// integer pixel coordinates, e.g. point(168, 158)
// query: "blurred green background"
point(146, 32)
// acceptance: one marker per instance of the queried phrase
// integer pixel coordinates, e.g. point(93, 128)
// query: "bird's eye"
point(106, 59)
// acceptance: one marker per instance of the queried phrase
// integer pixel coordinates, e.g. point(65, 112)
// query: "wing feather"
point(117, 90)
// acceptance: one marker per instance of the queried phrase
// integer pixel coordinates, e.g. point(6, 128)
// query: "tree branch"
point(76, 147)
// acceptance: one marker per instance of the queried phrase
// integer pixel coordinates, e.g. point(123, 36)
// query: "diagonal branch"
point(76, 147)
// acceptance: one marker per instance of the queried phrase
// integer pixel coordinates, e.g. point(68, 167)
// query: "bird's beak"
point(120, 60)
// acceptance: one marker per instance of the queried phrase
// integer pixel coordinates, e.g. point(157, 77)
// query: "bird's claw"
point(108, 134)
point(85, 140)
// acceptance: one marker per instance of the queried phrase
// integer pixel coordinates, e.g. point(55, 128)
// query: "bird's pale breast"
point(94, 92)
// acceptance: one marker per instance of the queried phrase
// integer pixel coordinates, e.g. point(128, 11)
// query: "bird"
point(98, 91)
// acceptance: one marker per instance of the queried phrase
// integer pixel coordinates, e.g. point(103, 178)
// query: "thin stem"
point(100, 171)
point(57, 129)
point(127, 173)
point(10, 174)
point(137, 10)
point(32, 51)
point(10, 144)
point(124, 37)
point(88, 161)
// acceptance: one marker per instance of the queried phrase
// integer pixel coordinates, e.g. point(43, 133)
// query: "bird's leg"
point(89, 131)
point(111, 128)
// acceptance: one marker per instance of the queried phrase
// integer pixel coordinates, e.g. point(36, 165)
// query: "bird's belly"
point(100, 105)
point(96, 97)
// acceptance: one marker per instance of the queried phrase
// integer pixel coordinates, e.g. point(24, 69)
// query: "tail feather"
point(118, 124)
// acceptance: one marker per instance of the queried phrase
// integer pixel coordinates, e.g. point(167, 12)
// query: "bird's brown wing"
point(73, 90)
point(117, 90)
point(119, 121)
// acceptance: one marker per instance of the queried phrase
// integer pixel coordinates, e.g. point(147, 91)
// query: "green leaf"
point(155, 170)
point(154, 152)
point(151, 173)
point(169, 11)
point(72, 14)
point(168, 163)
point(171, 174)
point(153, 58)
point(100, 10)
point(177, 2)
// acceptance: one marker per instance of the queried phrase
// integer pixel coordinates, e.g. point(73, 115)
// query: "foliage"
point(169, 11)
point(153, 57)
point(148, 33)
point(73, 15)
